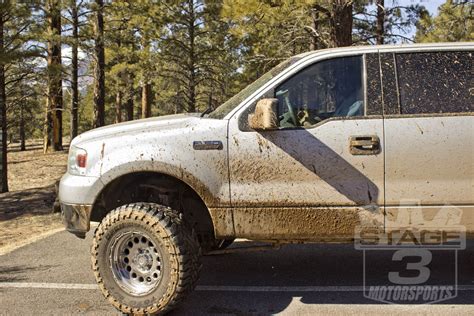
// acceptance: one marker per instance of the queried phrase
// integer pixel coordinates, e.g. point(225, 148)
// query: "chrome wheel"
point(135, 261)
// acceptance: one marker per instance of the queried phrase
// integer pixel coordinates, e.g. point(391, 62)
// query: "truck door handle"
point(364, 145)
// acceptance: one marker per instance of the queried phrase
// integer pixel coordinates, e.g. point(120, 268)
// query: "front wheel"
point(145, 258)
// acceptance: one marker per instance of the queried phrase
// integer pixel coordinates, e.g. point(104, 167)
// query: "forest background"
point(67, 66)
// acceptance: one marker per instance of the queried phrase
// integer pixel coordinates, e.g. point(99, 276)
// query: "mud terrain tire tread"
point(183, 247)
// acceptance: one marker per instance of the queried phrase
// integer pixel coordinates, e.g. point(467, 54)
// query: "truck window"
point(438, 82)
point(230, 104)
point(330, 88)
point(373, 85)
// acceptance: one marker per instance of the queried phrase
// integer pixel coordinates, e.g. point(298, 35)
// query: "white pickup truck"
point(323, 143)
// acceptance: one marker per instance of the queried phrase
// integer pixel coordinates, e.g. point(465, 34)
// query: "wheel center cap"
point(144, 261)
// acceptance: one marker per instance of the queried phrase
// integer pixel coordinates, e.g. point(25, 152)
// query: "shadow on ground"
point(17, 273)
point(316, 265)
point(36, 201)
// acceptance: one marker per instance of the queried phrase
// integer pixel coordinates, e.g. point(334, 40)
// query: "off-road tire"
point(178, 246)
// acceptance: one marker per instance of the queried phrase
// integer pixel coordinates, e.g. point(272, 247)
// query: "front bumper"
point(76, 218)
point(76, 196)
point(82, 190)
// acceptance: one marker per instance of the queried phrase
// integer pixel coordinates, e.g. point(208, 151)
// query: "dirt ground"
point(26, 212)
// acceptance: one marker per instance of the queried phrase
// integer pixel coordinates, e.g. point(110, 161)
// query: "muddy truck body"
point(323, 144)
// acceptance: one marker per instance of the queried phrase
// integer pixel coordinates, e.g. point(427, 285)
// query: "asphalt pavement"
point(52, 276)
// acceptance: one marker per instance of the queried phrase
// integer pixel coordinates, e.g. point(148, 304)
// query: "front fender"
point(173, 152)
point(177, 172)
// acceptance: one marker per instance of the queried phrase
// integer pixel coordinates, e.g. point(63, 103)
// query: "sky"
point(431, 5)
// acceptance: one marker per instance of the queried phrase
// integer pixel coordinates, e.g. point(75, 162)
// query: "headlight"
point(77, 161)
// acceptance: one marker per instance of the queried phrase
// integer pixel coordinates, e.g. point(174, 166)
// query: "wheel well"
point(156, 188)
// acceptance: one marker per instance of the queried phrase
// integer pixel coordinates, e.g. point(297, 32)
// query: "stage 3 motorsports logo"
point(412, 260)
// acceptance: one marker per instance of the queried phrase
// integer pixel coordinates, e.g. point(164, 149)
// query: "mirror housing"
point(265, 115)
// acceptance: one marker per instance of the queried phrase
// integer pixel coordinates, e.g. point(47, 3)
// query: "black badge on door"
point(207, 145)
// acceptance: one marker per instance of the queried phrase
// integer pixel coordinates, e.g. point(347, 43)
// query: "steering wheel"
point(286, 97)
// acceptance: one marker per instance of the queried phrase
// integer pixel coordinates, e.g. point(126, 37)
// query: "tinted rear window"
point(438, 82)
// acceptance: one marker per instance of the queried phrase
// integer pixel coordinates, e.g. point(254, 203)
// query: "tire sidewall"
point(169, 262)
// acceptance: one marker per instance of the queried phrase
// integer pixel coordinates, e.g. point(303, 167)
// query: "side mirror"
point(265, 115)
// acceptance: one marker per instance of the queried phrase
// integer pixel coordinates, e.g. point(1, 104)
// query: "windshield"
point(230, 104)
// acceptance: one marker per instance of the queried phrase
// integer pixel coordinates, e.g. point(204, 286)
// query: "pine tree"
point(75, 12)
point(116, 35)
point(384, 21)
point(380, 29)
point(453, 23)
point(187, 53)
point(221, 76)
point(54, 103)
point(99, 67)
point(75, 69)
point(129, 25)
point(15, 23)
point(3, 102)
point(22, 98)
point(339, 14)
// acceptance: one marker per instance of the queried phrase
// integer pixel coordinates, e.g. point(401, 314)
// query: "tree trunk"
point(380, 22)
point(120, 80)
point(146, 100)
point(146, 85)
point(118, 107)
point(47, 125)
point(341, 23)
point(3, 119)
point(138, 112)
point(192, 59)
point(55, 92)
point(313, 45)
point(22, 129)
point(99, 87)
point(75, 70)
point(129, 105)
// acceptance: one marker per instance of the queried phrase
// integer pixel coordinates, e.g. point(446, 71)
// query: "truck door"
point(429, 139)
point(322, 172)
